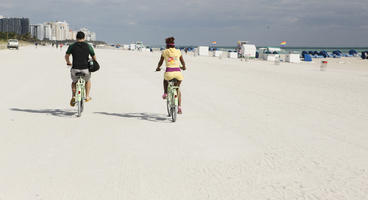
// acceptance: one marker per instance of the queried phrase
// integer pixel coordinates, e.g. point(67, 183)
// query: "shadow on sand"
point(141, 116)
point(54, 112)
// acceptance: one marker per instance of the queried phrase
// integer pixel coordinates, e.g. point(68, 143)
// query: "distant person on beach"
point(172, 56)
point(80, 51)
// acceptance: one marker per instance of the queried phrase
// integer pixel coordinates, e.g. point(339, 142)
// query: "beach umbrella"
point(283, 44)
point(323, 53)
point(303, 53)
point(353, 52)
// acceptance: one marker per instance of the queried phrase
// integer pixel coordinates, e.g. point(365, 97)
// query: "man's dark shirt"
point(80, 52)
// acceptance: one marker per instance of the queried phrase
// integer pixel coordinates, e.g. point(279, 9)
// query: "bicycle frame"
point(80, 89)
point(80, 94)
point(172, 93)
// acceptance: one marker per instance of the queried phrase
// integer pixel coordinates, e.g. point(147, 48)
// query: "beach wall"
point(3, 45)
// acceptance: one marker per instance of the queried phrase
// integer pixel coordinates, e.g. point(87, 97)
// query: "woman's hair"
point(170, 42)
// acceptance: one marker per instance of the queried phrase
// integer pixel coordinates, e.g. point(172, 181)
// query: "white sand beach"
point(249, 130)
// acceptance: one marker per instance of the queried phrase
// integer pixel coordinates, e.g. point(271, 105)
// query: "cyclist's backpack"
point(93, 66)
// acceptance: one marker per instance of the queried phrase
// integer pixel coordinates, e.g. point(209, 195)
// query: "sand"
point(249, 130)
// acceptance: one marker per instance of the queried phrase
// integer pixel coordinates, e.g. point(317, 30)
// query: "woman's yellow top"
point(172, 57)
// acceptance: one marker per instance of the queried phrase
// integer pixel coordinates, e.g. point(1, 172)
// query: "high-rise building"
point(71, 35)
point(38, 31)
point(62, 31)
point(19, 26)
point(93, 36)
point(57, 31)
point(47, 31)
point(25, 25)
point(89, 36)
point(74, 35)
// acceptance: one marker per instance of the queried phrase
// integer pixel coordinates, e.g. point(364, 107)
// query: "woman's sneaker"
point(164, 96)
point(179, 110)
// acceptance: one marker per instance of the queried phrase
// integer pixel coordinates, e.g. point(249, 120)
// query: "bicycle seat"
point(174, 80)
point(80, 74)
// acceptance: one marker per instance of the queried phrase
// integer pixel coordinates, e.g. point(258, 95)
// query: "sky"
point(198, 22)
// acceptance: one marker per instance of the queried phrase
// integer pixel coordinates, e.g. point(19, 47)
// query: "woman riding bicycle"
point(172, 56)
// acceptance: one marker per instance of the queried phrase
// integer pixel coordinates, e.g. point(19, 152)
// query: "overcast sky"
point(198, 22)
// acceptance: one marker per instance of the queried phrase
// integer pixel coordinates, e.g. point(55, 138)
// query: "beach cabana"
point(292, 58)
point(217, 53)
point(248, 50)
point(232, 54)
point(203, 51)
point(268, 53)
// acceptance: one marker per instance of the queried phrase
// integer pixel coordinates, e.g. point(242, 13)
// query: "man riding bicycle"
point(80, 51)
point(172, 56)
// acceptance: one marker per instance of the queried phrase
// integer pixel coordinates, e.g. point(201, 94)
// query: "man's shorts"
point(75, 78)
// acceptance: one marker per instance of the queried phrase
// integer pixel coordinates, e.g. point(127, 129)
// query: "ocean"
point(294, 49)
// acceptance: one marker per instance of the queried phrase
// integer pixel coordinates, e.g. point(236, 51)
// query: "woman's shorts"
point(171, 75)
point(75, 78)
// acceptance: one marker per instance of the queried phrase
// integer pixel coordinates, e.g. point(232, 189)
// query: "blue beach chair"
point(307, 57)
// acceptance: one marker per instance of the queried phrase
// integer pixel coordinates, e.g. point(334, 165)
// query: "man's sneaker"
point(179, 110)
point(164, 96)
point(72, 102)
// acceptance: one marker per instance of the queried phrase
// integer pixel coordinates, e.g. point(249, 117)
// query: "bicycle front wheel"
point(168, 106)
point(173, 111)
point(80, 108)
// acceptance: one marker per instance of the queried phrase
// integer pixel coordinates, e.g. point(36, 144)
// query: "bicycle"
point(172, 100)
point(80, 93)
